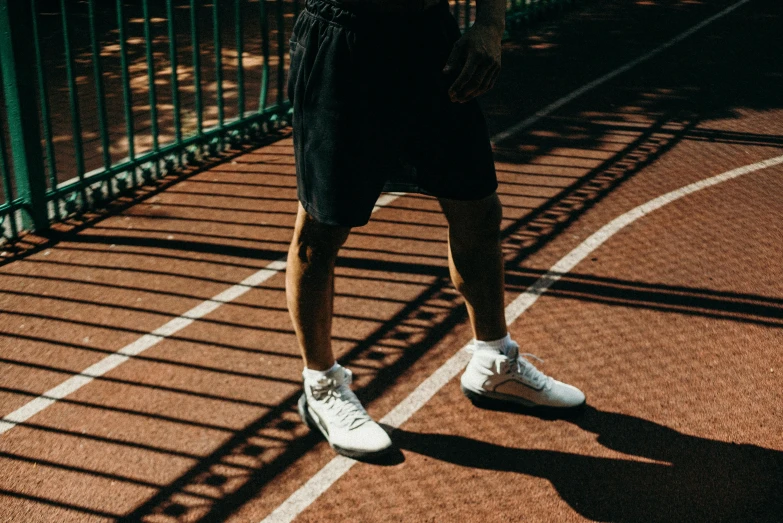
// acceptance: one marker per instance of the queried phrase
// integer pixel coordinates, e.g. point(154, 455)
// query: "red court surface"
point(671, 325)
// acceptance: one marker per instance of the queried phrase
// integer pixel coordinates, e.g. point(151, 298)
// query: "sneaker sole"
point(489, 399)
point(304, 413)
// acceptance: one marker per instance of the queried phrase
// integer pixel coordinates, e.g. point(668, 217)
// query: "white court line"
point(608, 76)
point(334, 470)
point(339, 465)
point(173, 326)
point(112, 361)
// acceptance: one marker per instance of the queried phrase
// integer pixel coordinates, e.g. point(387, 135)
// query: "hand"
point(477, 56)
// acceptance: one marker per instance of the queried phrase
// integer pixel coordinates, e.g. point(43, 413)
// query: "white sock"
point(498, 346)
point(314, 375)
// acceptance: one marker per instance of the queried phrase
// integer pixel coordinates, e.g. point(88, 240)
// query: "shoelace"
point(517, 363)
point(525, 369)
point(339, 398)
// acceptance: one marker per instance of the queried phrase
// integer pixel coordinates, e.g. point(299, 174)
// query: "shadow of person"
point(692, 479)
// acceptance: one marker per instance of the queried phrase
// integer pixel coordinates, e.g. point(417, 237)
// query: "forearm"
point(491, 13)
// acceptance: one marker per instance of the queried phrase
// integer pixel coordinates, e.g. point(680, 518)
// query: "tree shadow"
point(700, 479)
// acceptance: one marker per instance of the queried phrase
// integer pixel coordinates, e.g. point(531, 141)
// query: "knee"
point(315, 241)
point(482, 222)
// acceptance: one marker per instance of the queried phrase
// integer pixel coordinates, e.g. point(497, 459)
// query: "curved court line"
point(175, 325)
point(332, 471)
point(339, 465)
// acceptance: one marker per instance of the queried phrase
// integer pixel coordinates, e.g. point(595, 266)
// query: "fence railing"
point(100, 97)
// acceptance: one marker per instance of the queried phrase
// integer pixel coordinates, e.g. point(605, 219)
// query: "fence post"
point(16, 55)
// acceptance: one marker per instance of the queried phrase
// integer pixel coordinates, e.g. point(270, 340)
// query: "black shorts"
point(372, 113)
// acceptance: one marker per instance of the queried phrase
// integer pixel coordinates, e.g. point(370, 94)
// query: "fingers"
point(466, 81)
point(484, 84)
point(489, 80)
point(477, 77)
point(455, 58)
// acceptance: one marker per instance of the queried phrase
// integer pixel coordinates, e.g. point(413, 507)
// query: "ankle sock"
point(314, 375)
point(494, 345)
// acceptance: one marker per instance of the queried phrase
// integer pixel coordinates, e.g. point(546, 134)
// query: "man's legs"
point(496, 371)
point(310, 286)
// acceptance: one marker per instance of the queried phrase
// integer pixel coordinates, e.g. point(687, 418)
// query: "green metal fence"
point(122, 92)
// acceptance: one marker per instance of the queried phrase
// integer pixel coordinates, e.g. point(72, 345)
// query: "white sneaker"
point(512, 378)
point(330, 406)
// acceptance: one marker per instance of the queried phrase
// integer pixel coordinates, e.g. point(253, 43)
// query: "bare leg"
point(476, 265)
point(476, 262)
point(310, 286)
point(327, 405)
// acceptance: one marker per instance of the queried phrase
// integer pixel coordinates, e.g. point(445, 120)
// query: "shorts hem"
point(472, 197)
point(418, 188)
point(322, 218)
